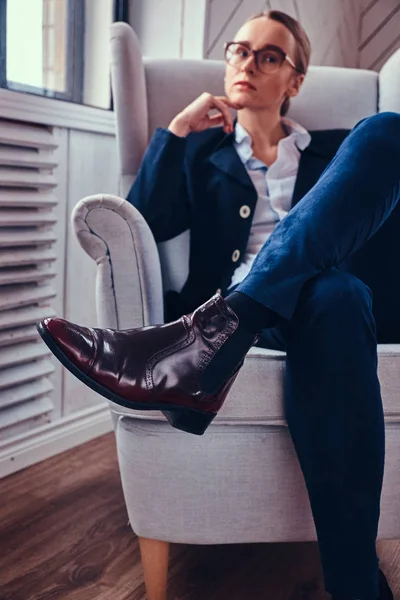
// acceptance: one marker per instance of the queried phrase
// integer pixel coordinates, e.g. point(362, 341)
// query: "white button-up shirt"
point(274, 186)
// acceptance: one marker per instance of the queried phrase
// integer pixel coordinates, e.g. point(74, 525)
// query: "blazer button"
point(244, 211)
point(235, 255)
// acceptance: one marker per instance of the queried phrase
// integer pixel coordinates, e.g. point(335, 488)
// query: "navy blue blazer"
point(199, 182)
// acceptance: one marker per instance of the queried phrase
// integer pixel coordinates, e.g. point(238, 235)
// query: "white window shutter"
point(27, 261)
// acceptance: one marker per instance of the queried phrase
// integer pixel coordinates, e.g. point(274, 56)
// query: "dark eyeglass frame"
point(257, 53)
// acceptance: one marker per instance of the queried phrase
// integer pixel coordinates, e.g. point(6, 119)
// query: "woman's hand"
point(195, 116)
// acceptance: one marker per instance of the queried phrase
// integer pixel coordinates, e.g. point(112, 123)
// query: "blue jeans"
point(333, 403)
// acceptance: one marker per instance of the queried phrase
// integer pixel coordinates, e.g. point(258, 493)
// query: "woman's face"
point(271, 89)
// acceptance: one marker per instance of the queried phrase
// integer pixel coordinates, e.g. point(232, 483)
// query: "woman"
point(238, 186)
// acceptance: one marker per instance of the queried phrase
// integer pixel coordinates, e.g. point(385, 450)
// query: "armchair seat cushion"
point(257, 396)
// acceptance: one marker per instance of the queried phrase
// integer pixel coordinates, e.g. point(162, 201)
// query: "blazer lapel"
point(225, 158)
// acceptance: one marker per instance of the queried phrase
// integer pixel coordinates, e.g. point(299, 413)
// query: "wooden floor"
point(64, 535)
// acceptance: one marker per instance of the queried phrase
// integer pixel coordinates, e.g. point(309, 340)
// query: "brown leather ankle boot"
point(152, 368)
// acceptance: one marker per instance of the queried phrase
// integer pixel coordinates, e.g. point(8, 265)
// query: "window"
point(58, 48)
point(42, 47)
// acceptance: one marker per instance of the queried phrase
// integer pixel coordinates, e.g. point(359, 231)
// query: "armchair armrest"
point(128, 281)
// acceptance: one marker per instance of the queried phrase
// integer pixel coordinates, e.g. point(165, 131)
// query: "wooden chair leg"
point(155, 556)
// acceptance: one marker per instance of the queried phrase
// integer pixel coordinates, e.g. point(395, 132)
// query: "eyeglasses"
point(268, 59)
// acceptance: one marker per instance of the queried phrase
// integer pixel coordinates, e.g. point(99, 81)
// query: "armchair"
point(240, 482)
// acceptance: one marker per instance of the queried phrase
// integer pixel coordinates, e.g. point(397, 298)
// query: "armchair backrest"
point(148, 93)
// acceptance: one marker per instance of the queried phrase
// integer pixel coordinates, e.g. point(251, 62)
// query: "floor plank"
point(64, 535)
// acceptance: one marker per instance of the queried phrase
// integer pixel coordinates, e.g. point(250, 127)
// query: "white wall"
point(169, 28)
point(96, 81)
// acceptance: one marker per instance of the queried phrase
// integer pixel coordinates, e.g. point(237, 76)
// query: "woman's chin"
point(241, 99)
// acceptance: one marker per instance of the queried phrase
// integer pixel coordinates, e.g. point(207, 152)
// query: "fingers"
point(219, 119)
point(223, 107)
point(215, 102)
point(203, 104)
point(216, 120)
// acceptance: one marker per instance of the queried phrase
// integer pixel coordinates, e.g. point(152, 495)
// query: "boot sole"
point(185, 419)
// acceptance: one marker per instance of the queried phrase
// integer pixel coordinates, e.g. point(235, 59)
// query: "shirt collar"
point(297, 135)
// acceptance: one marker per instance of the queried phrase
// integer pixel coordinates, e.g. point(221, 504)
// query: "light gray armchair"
point(240, 482)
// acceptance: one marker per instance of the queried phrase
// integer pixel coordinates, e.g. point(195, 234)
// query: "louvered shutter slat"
point(26, 238)
point(20, 198)
point(26, 218)
point(26, 135)
point(16, 296)
point(21, 393)
point(21, 374)
point(24, 316)
point(15, 257)
point(24, 275)
point(25, 411)
point(17, 335)
point(15, 157)
point(27, 256)
point(22, 353)
point(26, 178)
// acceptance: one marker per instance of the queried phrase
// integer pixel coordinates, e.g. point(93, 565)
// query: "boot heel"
point(189, 420)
